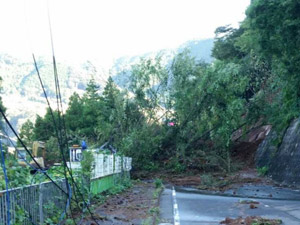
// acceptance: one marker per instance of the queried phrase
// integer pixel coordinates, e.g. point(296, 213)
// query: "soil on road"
point(131, 207)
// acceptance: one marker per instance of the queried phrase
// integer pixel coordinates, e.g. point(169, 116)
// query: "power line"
point(24, 159)
point(29, 153)
point(59, 104)
point(61, 136)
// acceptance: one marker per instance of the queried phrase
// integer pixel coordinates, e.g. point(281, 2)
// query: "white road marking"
point(175, 208)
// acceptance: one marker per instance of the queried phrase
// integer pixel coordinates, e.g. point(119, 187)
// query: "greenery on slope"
point(181, 116)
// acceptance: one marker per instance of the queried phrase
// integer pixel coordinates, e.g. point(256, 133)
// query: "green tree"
point(92, 105)
point(1, 102)
point(110, 122)
point(225, 46)
point(27, 133)
point(149, 80)
point(53, 153)
point(45, 127)
point(271, 30)
point(74, 113)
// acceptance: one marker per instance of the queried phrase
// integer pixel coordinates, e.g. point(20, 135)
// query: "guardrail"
point(33, 204)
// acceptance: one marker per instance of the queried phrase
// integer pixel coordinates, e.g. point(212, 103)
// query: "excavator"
point(38, 151)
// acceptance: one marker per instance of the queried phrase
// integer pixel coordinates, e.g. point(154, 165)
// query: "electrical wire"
point(58, 129)
point(3, 130)
point(59, 135)
point(18, 152)
point(45, 173)
point(61, 121)
point(29, 153)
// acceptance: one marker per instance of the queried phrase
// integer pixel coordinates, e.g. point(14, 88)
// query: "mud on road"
point(131, 207)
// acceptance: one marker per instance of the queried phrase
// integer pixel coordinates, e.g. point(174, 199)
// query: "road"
point(195, 208)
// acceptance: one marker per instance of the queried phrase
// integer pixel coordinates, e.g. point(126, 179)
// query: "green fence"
point(101, 184)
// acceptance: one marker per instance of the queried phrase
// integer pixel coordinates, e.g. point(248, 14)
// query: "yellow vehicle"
point(38, 152)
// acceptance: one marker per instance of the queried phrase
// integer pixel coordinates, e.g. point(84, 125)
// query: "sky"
point(104, 30)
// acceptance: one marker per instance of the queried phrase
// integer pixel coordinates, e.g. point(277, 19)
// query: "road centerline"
point(175, 208)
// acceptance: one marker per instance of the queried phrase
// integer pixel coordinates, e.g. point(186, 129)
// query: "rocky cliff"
point(280, 153)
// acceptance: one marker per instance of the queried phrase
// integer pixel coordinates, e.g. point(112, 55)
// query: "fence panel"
point(35, 203)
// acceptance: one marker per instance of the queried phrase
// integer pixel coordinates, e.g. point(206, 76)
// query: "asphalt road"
point(203, 209)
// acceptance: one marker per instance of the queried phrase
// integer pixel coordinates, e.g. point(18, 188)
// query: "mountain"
point(22, 93)
point(200, 49)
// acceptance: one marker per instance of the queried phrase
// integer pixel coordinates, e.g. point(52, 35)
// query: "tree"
point(92, 104)
point(225, 46)
point(53, 153)
point(1, 102)
point(110, 123)
point(149, 80)
point(45, 127)
point(74, 113)
point(271, 30)
point(27, 133)
point(110, 93)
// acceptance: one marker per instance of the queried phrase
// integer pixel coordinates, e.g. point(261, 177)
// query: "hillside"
point(22, 93)
point(200, 49)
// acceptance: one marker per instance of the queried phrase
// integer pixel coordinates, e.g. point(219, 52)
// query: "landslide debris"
point(251, 220)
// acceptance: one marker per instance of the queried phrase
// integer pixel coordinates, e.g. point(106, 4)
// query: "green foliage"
point(255, 77)
point(74, 113)
point(1, 103)
point(87, 163)
point(17, 175)
point(158, 183)
point(225, 46)
point(175, 165)
point(142, 144)
point(118, 188)
point(271, 31)
point(208, 181)
point(149, 81)
point(208, 109)
point(111, 124)
point(154, 211)
point(53, 153)
point(262, 221)
point(21, 215)
point(27, 133)
point(85, 174)
point(54, 213)
point(45, 127)
point(91, 107)
point(262, 171)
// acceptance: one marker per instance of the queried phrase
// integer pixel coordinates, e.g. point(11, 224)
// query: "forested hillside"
point(180, 114)
point(22, 92)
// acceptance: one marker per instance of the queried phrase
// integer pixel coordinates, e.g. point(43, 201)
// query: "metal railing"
point(33, 204)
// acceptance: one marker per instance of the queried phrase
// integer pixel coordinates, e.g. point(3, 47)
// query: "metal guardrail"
point(33, 204)
point(27, 204)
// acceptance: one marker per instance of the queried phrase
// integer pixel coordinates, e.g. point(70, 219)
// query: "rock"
point(283, 161)
point(266, 150)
